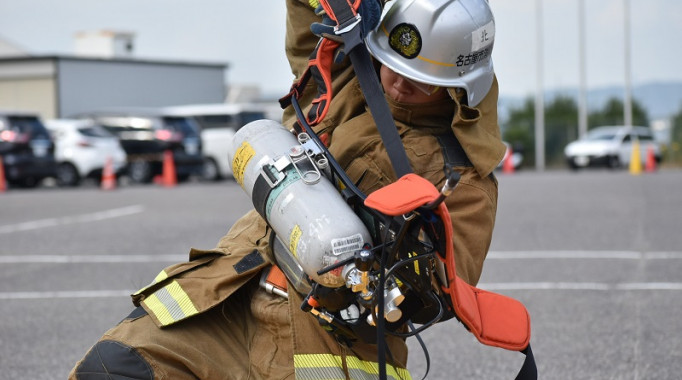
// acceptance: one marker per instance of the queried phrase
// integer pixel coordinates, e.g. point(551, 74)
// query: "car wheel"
point(67, 175)
point(210, 171)
point(572, 165)
point(140, 171)
point(613, 162)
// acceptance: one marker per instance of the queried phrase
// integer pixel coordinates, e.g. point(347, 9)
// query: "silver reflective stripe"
point(170, 303)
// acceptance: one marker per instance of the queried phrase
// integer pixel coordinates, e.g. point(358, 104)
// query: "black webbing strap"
point(350, 30)
point(453, 153)
point(355, 48)
point(529, 370)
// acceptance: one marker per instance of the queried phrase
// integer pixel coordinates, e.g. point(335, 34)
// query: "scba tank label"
point(241, 158)
point(294, 238)
point(347, 244)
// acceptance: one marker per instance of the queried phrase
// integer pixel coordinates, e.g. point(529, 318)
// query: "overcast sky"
point(248, 35)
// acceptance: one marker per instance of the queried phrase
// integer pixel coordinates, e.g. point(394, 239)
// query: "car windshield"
point(180, 124)
point(29, 125)
point(597, 135)
point(247, 117)
point(227, 120)
point(94, 131)
point(118, 124)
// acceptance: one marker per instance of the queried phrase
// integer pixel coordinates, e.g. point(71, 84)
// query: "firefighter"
point(209, 318)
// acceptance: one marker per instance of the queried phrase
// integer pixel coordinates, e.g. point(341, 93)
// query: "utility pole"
point(627, 104)
point(539, 92)
point(582, 97)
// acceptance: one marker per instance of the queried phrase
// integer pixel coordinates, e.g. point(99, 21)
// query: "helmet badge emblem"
point(405, 40)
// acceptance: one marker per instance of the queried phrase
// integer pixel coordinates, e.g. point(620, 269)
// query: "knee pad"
point(109, 359)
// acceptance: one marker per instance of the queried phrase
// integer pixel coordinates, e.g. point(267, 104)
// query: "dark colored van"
point(26, 148)
point(145, 135)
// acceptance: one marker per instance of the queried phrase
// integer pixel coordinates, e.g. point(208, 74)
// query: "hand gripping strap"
point(341, 11)
point(319, 68)
point(494, 319)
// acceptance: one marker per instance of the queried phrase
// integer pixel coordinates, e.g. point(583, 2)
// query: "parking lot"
point(595, 256)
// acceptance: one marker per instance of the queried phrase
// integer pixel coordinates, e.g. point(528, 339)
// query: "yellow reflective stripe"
point(181, 298)
point(328, 366)
point(392, 372)
point(170, 304)
point(159, 277)
point(431, 61)
point(314, 3)
point(158, 309)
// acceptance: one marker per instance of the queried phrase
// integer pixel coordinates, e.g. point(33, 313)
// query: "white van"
point(219, 122)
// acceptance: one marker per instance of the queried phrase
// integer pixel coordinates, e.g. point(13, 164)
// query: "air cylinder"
point(308, 215)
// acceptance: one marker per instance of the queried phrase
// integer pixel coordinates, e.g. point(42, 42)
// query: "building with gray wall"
point(59, 86)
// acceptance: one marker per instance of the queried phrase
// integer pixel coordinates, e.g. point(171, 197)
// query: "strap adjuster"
point(347, 26)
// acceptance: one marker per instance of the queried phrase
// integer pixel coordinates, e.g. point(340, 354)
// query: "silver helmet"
point(445, 43)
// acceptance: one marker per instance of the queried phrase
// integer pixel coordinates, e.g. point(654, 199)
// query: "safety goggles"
point(428, 89)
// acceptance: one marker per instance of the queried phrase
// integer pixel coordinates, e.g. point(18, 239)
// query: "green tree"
point(675, 149)
point(612, 114)
point(561, 127)
point(561, 120)
point(519, 130)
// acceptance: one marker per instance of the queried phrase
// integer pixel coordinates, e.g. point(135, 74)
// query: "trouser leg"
point(226, 342)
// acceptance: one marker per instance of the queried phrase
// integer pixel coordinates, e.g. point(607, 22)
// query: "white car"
point(611, 146)
point(218, 123)
point(82, 149)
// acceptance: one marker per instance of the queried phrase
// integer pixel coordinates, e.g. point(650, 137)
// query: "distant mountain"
point(661, 100)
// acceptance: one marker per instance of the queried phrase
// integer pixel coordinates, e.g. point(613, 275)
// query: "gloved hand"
point(369, 10)
point(324, 29)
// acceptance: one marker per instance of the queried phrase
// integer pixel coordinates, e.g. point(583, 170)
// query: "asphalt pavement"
point(595, 256)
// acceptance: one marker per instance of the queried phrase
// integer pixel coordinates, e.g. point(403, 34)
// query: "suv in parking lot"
point(26, 148)
point(610, 146)
point(146, 134)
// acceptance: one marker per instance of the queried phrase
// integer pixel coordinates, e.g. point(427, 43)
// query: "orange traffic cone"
point(650, 165)
point(169, 178)
point(508, 165)
point(108, 175)
point(3, 183)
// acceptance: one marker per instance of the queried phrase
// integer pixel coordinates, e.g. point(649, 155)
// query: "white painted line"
point(65, 259)
point(624, 255)
point(65, 294)
point(84, 218)
point(495, 286)
point(493, 255)
point(596, 286)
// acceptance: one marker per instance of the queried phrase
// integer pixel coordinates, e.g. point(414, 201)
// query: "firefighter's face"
point(406, 91)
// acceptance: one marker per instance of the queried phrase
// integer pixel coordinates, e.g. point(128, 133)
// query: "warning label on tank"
point(347, 244)
point(241, 158)
point(294, 238)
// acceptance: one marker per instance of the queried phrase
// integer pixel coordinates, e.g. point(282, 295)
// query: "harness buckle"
point(348, 25)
